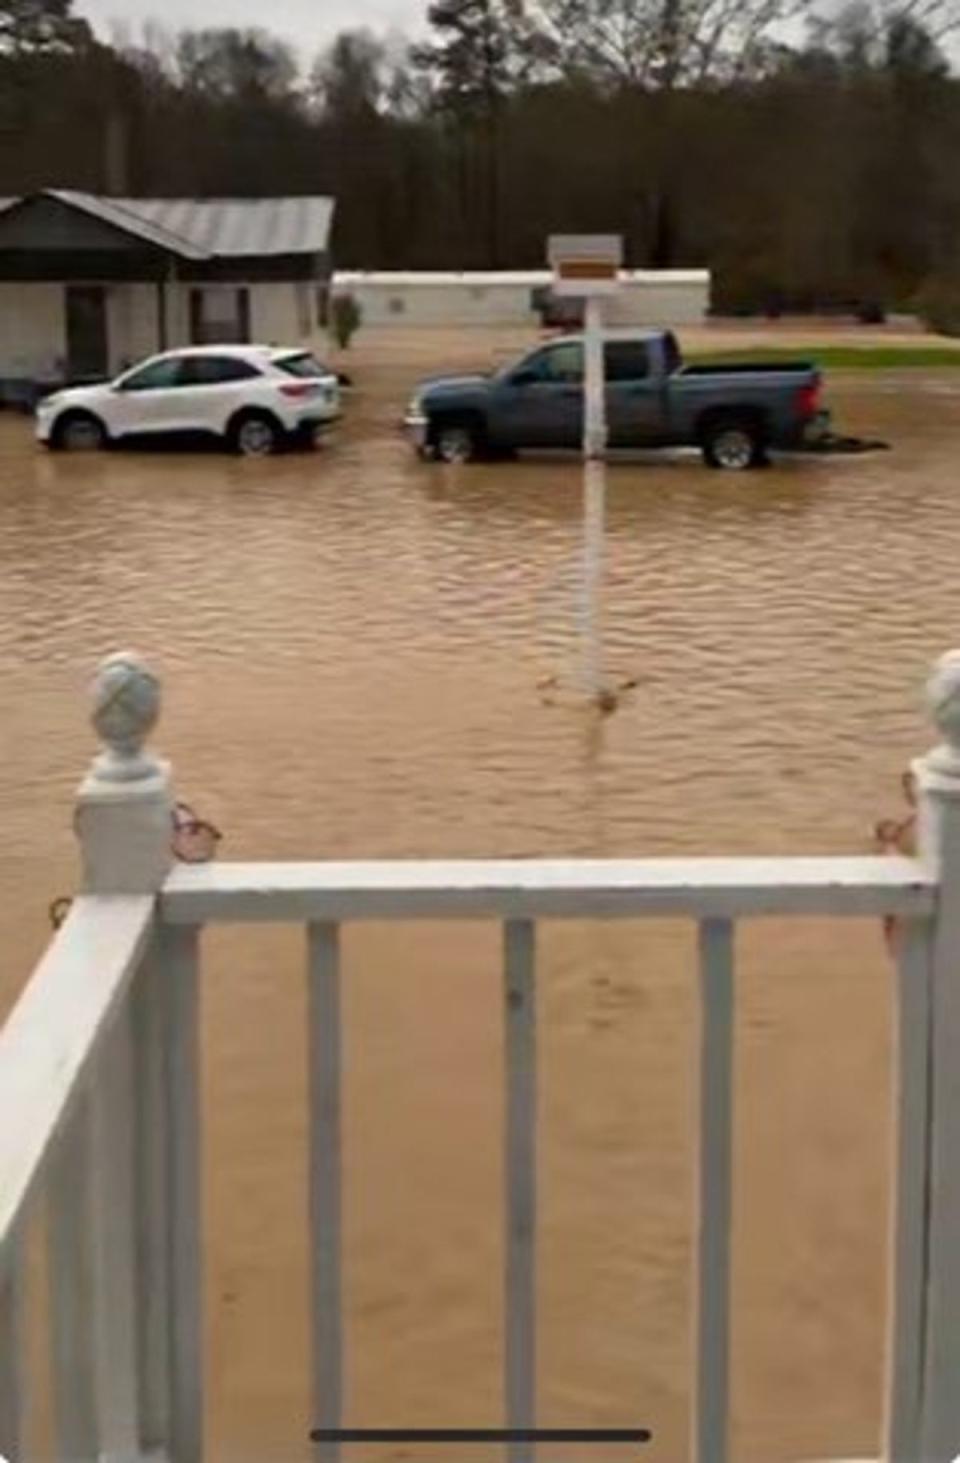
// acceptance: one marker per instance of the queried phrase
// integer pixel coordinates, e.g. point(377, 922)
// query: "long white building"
point(647, 297)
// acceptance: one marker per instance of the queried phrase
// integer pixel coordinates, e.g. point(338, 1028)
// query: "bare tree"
point(235, 64)
point(665, 44)
point(38, 26)
point(937, 19)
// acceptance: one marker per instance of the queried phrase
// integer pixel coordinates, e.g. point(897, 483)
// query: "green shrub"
point(938, 304)
point(346, 317)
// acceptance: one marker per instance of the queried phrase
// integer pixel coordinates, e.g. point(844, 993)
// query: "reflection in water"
point(594, 529)
point(352, 646)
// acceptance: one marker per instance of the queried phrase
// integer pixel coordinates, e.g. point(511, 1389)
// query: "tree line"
point(807, 157)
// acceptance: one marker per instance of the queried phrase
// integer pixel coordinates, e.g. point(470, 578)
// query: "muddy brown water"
point(351, 645)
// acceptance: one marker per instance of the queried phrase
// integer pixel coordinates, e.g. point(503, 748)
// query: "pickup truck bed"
point(753, 368)
point(735, 414)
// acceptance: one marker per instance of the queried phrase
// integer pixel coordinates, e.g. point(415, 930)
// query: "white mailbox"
point(585, 264)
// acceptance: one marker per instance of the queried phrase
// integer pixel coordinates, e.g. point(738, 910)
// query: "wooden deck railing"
point(100, 1116)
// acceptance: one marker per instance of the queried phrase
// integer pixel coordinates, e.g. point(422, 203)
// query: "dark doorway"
point(87, 339)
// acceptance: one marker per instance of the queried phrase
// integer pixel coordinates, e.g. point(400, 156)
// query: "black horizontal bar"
point(480, 1435)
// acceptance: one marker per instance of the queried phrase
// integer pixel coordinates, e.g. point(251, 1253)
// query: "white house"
point(89, 284)
point(647, 297)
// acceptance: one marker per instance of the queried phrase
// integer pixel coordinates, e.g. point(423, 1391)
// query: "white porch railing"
point(100, 1117)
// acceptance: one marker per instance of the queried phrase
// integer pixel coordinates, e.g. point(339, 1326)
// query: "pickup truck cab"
point(733, 413)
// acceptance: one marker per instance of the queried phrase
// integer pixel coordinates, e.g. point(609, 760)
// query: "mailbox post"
point(588, 267)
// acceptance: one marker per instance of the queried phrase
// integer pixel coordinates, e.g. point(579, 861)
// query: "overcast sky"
point(307, 23)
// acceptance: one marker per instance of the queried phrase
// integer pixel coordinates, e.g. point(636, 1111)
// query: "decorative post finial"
point(125, 806)
point(126, 706)
point(943, 698)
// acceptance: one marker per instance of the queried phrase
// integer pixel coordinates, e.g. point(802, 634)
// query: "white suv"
point(254, 397)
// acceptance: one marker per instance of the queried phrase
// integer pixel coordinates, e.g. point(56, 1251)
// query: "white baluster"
point(908, 1285)
point(938, 779)
point(714, 1191)
point(325, 1077)
point(178, 953)
point(151, 1018)
point(520, 1164)
point(12, 1351)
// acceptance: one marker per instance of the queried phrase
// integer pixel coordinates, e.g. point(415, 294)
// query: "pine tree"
point(480, 51)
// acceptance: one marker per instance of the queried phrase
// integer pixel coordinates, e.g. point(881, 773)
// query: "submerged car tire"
point(254, 434)
point(733, 444)
point(457, 439)
point(78, 431)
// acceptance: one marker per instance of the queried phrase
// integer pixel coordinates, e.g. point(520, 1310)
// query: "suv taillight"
point(808, 399)
point(297, 390)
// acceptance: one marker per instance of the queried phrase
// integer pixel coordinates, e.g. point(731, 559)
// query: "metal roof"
point(214, 228)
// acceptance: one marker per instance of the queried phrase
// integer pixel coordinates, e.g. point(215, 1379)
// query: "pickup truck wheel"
point(734, 445)
point(456, 442)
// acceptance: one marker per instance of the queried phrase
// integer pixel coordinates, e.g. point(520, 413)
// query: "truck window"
point(626, 360)
point(672, 359)
point(563, 363)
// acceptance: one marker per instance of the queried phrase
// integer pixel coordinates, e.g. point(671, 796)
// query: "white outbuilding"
point(668, 297)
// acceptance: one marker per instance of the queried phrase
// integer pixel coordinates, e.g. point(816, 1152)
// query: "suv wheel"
point(255, 434)
point(79, 431)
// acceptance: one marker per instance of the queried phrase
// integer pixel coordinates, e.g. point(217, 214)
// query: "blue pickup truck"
point(733, 413)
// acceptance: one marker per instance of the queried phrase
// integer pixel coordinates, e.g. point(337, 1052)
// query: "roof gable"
point(112, 211)
point(44, 223)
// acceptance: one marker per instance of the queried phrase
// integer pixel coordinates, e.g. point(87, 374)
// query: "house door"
point(87, 338)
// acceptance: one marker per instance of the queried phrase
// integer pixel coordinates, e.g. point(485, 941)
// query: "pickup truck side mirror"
point(524, 378)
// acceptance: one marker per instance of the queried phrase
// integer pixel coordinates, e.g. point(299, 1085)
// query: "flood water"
point(353, 647)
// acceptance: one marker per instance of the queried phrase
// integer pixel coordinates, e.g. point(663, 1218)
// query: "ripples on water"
point(351, 647)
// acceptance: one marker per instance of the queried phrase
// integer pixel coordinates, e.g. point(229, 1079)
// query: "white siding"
point(33, 322)
point(452, 303)
point(32, 329)
point(133, 320)
point(646, 302)
point(278, 314)
point(285, 314)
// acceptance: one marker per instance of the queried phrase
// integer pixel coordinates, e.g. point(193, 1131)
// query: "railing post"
point(125, 805)
point(112, 1279)
point(938, 783)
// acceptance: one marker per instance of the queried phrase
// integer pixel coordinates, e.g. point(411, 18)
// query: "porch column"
point(163, 307)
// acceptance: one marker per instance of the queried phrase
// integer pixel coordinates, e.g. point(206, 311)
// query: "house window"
point(220, 315)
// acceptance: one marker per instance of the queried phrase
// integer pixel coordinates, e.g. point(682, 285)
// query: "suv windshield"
point(304, 366)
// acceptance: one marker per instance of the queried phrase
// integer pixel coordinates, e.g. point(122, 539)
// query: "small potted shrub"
point(346, 317)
